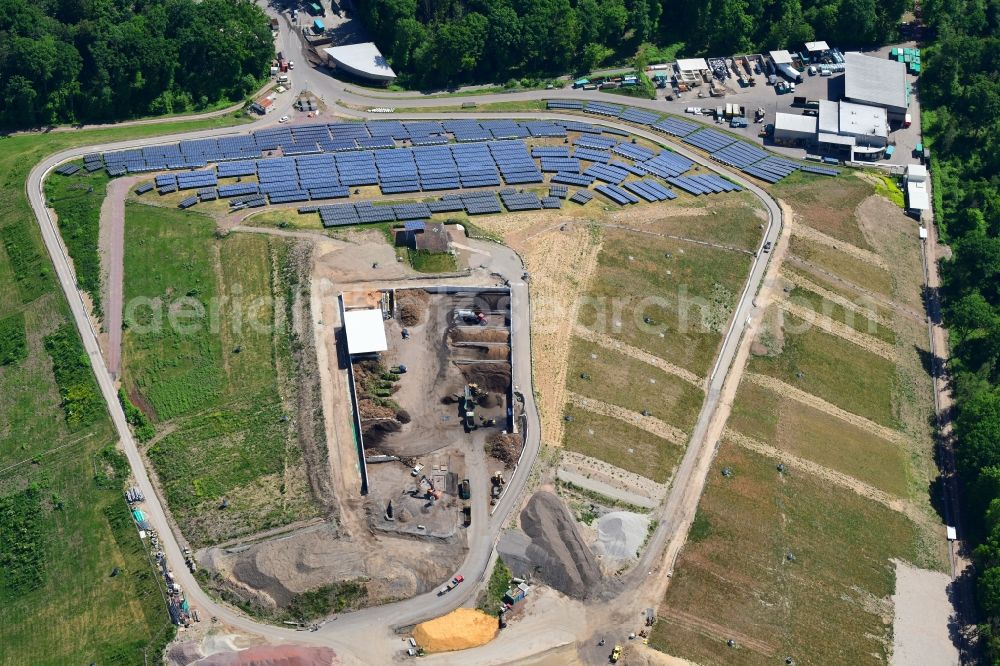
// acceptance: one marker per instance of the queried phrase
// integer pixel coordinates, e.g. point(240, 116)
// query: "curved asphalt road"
point(365, 634)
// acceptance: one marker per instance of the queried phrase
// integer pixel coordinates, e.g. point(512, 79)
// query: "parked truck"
point(786, 70)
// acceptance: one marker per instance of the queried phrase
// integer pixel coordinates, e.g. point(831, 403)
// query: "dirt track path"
point(798, 395)
point(866, 256)
point(608, 342)
point(833, 327)
point(833, 476)
point(648, 423)
point(846, 303)
point(714, 631)
point(111, 247)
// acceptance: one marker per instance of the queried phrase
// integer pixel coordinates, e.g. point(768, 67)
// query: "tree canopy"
point(960, 97)
point(443, 42)
point(96, 60)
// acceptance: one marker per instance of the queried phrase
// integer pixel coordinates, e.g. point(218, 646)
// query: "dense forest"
point(64, 61)
point(441, 42)
point(960, 94)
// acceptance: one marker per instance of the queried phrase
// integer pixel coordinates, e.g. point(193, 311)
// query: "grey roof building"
point(876, 82)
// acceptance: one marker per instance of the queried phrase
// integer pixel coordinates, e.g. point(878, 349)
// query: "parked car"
point(283, 119)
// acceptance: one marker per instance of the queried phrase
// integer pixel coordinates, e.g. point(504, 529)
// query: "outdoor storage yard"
point(822, 475)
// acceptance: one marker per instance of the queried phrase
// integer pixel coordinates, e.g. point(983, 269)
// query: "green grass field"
point(731, 220)
point(737, 580)
point(74, 613)
point(610, 440)
point(837, 312)
point(689, 308)
point(77, 201)
point(213, 380)
point(821, 438)
point(834, 370)
point(621, 380)
point(827, 205)
point(842, 264)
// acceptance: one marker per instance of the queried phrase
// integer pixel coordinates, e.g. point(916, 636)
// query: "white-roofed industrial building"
point(362, 60)
point(817, 48)
point(781, 57)
point(793, 129)
point(917, 196)
point(877, 82)
point(365, 331)
point(689, 70)
point(855, 131)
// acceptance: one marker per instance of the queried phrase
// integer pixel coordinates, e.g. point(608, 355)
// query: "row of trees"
point(960, 94)
point(97, 60)
point(443, 42)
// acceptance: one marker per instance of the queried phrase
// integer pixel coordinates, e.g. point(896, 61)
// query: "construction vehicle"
point(469, 410)
point(464, 490)
point(467, 515)
point(616, 654)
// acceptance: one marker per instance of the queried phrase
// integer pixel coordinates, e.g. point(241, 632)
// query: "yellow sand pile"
point(458, 630)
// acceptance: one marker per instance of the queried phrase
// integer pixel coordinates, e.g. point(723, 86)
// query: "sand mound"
point(620, 534)
point(460, 629)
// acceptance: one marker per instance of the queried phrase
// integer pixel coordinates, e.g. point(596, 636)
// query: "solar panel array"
point(598, 142)
point(581, 197)
point(739, 154)
point(772, 169)
point(709, 140)
point(704, 184)
point(676, 126)
point(558, 191)
point(650, 190)
point(311, 139)
point(633, 151)
point(607, 173)
point(67, 169)
point(604, 109)
point(568, 178)
point(551, 202)
point(592, 155)
point(666, 165)
point(145, 187)
point(188, 202)
point(617, 194)
point(518, 201)
point(822, 171)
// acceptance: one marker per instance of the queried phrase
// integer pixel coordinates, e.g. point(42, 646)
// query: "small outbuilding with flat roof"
point(689, 70)
point(793, 129)
point(365, 331)
point(877, 82)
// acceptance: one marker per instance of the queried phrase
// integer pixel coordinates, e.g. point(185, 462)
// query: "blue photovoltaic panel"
point(597, 142)
point(709, 140)
point(739, 154)
point(560, 104)
point(638, 116)
point(675, 126)
point(581, 197)
point(633, 151)
point(617, 194)
point(592, 155)
point(603, 108)
point(823, 171)
point(145, 187)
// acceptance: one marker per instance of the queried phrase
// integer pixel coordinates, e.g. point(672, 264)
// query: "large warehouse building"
point(362, 60)
point(877, 82)
point(854, 131)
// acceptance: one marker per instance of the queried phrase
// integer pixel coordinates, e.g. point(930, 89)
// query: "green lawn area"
point(686, 290)
point(834, 370)
point(827, 205)
point(837, 312)
point(77, 201)
point(730, 220)
point(73, 612)
point(842, 264)
point(214, 379)
point(824, 439)
point(610, 439)
point(424, 261)
point(627, 382)
point(819, 607)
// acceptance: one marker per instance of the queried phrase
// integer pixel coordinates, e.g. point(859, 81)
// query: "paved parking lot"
point(812, 87)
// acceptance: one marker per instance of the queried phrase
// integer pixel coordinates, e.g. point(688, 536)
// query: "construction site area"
point(431, 407)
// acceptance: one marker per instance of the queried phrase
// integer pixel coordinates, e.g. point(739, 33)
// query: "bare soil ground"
point(599, 471)
point(923, 613)
point(274, 571)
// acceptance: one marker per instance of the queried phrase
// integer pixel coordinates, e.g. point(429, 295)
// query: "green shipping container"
point(893, 52)
point(916, 68)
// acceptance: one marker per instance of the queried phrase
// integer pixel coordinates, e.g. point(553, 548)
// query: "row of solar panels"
point(723, 147)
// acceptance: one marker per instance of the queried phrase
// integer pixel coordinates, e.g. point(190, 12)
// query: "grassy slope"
point(631, 282)
point(78, 614)
point(820, 608)
point(610, 439)
point(230, 441)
